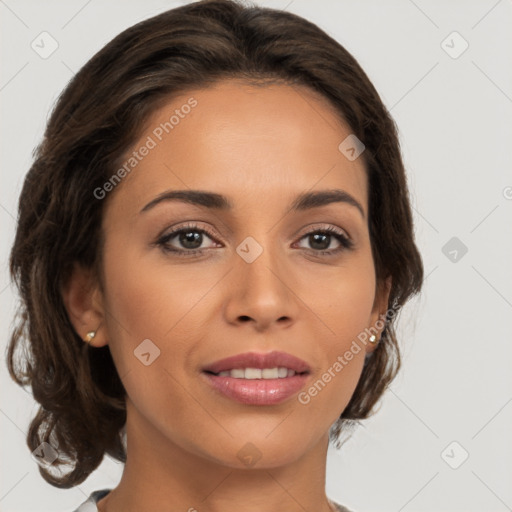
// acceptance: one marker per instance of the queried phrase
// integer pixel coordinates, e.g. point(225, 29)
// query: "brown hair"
point(96, 119)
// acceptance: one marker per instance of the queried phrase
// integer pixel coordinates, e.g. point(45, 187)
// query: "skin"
point(261, 146)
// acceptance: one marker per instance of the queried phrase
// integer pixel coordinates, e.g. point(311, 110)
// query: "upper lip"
point(259, 360)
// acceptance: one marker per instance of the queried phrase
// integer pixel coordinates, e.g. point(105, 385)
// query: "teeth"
point(282, 372)
point(270, 373)
point(257, 373)
point(252, 373)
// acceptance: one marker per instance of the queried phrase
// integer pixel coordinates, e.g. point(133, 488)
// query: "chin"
point(262, 451)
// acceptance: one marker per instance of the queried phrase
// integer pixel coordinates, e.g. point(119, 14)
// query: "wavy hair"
point(95, 120)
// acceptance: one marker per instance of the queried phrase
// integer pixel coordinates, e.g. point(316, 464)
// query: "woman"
point(214, 240)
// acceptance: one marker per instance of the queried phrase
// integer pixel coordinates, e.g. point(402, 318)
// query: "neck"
point(160, 474)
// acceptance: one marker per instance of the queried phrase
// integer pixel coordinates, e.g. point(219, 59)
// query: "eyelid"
point(324, 227)
point(196, 225)
point(190, 225)
point(344, 239)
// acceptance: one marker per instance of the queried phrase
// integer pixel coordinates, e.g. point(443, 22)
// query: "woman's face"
point(258, 276)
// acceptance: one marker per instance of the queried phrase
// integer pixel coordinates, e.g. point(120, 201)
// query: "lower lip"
point(257, 391)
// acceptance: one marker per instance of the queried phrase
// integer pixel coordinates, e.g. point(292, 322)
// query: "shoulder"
point(89, 505)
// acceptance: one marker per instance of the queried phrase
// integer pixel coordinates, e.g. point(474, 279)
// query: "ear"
point(380, 307)
point(83, 301)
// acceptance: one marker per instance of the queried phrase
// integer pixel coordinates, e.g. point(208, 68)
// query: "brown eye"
point(187, 240)
point(321, 239)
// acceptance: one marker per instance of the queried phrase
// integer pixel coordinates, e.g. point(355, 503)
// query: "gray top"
point(90, 504)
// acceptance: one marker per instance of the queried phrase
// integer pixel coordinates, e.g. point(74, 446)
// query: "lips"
point(273, 359)
point(258, 391)
point(250, 378)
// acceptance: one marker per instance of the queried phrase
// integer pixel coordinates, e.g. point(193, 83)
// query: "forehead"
point(264, 141)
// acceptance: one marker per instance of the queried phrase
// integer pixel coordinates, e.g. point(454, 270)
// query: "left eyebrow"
point(212, 200)
point(319, 198)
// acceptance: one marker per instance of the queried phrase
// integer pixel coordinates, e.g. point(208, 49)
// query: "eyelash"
point(345, 242)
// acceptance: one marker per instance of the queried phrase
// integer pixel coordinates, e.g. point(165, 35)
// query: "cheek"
point(345, 300)
point(347, 306)
point(146, 299)
point(151, 301)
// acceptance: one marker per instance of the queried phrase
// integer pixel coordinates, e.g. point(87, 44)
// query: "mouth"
point(254, 365)
point(280, 372)
point(258, 379)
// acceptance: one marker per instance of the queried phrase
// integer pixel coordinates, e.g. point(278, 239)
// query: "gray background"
point(454, 116)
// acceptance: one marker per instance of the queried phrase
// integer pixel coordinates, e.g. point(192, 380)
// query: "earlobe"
point(83, 302)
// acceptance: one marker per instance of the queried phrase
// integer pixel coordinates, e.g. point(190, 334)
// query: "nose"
point(262, 292)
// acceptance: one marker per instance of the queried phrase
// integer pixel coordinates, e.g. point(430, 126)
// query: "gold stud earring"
point(90, 335)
